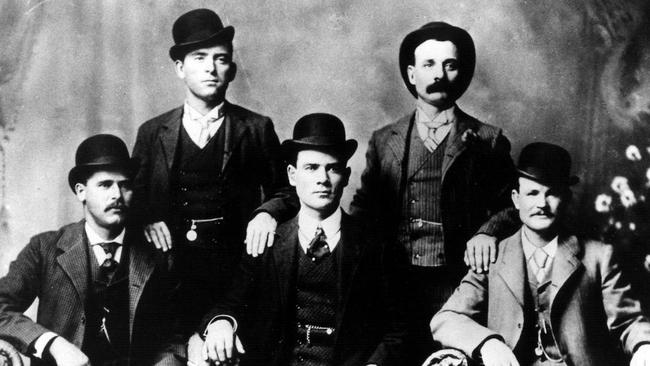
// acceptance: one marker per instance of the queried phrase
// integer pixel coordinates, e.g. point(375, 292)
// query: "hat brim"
point(456, 35)
point(346, 149)
point(178, 51)
point(78, 172)
point(551, 181)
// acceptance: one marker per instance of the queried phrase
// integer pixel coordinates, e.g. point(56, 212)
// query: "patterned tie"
point(538, 263)
point(109, 248)
point(434, 139)
point(318, 247)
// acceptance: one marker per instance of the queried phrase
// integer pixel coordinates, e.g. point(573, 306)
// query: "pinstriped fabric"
point(420, 228)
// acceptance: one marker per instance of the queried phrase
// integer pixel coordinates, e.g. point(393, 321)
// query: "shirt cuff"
point(229, 318)
point(42, 342)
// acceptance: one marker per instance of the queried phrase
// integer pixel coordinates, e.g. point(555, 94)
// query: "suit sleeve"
point(365, 199)
point(280, 198)
point(142, 152)
point(625, 319)
point(459, 323)
point(18, 290)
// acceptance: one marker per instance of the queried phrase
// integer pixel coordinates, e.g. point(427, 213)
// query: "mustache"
point(116, 205)
point(440, 86)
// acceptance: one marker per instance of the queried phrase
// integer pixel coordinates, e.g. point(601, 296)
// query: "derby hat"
point(319, 131)
point(546, 163)
point(101, 152)
point(196, 29)
point(440, 31)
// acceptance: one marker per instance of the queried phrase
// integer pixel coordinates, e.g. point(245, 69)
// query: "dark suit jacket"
point(252, 168)
point(54, 268)
point(593, 311)
point(262, 300)
point(477, 174)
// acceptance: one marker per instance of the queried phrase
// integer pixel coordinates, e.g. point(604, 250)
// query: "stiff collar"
point(94, 238)
point(331, 226)
point(194, 115)
point(550, 249)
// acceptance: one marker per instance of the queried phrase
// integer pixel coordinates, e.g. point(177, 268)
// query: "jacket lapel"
point(284, 256)
point(513, 267)
point(455, 144)
point(234, 127)
point(169, 135)
point(349, 256)
point(565, 263)
point(397, 141)
point(74, 259)
point(141, 266)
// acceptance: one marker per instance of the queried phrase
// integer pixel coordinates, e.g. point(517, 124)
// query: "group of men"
point(216, 244)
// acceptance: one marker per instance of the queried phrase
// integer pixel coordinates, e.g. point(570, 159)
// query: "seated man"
point(325, 293)
point(552, 298)
point(98, 283)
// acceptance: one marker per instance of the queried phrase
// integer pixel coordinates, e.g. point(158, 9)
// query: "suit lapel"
point(141, 265)
point(169, 135)
point(565, 263)
point(513, 267)
point(234, 128)
point(74, 259)
point(397, 141)
point(284, 256)
point(455, 144)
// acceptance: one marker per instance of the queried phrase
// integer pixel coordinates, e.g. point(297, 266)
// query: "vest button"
point(416, 256)
point(519, 325)
point(185, 204)
point(183, 189)
point(413, 201)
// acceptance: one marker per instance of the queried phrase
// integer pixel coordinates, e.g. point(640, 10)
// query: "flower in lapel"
point(469, 136)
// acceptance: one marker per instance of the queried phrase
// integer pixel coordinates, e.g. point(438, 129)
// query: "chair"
point(9, 356)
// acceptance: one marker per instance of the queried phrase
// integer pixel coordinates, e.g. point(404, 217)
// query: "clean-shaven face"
point(206, 72)
point(319, 179)
point(435, 73)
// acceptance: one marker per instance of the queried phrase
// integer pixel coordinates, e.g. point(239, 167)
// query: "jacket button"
point(413, 201)
point(519, 325)
point(416, 255)
point(185, 204)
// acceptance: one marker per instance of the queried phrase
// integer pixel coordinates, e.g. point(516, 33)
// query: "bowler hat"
point(440, 31)
point(101, 152)
point(319, 131)
point(546, 163)
point(198, 28)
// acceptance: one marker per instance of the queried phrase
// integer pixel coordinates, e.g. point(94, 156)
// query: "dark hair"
point(291, 158)
point(218, 42)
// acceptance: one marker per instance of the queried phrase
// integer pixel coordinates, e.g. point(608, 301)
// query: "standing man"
point(326, 293)
point(552, 298)
point(205, 168)
point(101, 287)
point(434, 176)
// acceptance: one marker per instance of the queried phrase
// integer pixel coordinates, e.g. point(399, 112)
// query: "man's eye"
point(451, 66)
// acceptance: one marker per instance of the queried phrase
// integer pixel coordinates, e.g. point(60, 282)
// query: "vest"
point(420, 228)
point(107, 307)
point(316, 303)
point(197, 186)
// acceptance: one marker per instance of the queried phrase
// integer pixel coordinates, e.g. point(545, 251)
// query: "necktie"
point(538, 263)
point(109, 248)
point(204, 137)
point(318, 247)
point(434, 138)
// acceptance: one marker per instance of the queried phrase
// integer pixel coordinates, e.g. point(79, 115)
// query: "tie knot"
point(540, 257)
point(320, 233)
point(109, 248)
point(318, 247)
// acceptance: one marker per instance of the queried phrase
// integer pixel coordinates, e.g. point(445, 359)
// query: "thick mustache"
point(116, 205)
point(440, 86)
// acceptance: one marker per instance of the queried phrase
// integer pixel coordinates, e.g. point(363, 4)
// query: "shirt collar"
point(331, 225)
point(550, 249)
point(194, 115)
point(429, 114)
point(94, 238)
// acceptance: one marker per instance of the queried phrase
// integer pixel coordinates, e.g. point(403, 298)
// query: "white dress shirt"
point(426, 116)
point(550, 249)
point(194, 121)
point(307, 229)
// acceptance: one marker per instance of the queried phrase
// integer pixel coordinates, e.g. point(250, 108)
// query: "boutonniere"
point(469, 137)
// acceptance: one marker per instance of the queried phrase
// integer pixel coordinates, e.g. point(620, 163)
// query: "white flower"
point(627, 198)
point(632, 226)
point(633, 153)
point(620, 184)
point(647, 177)
point(603, 203)
point(618, 225)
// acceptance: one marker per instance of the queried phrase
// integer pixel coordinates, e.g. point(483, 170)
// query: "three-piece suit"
point(265, 301)
point(592, 312)
point(240, 168)
point(56, 267)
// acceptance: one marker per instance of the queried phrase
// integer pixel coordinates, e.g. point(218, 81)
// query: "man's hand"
point(158, 234)
point(67, 354)
point(260, 233)
point(194, 351)
point(642, 356)
point(481, 251)
point(496, 353)
point(219, 342)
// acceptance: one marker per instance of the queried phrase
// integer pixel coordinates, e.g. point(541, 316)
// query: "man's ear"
point(515, 198)
point(178, 68)
point(232, 72)
point(80, 192)
point(291, 172)
point(410, 71)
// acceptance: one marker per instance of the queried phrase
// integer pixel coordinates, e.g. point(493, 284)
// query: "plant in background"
point(624, 210)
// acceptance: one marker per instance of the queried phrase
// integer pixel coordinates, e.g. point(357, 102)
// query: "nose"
point(321, 176)
point(438, 72)
point(116, 191)
point(210, 66)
